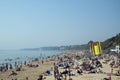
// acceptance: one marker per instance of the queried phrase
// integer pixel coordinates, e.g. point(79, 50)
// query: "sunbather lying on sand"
point(13, 73)
point(107, 78)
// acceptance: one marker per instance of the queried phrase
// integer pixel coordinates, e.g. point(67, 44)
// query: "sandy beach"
point(33, 72)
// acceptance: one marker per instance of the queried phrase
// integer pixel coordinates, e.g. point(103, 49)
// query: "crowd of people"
point(5, 67)
point(69, 65)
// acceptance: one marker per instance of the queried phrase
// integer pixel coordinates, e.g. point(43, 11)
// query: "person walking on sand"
point(42, 61)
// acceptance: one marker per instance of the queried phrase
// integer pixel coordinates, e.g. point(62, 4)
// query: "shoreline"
point(33, 72)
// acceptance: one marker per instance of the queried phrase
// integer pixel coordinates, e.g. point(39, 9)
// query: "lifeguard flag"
point(96, 48)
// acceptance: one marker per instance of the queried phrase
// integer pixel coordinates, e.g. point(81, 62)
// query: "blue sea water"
point(12, 56)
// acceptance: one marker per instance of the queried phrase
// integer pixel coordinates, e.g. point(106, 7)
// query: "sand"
point(33, 73)
point(30, 72)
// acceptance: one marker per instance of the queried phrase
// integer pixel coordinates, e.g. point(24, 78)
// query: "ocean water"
point(13, 56)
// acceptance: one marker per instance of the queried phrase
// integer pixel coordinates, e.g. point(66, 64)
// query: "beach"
point(59, 39)
point(29, 72)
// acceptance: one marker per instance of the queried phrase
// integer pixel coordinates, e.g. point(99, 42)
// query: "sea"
point(12, 56)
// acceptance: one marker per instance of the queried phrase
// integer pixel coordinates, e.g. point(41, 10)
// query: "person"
point(11, 66)
point(25, 63)
point(18, 69)
point(1, 69)
point(13, 73)
point(42, 61)
point(47, 73)
point(65, 72)
point(118, 73)
point(40, 77)
point(107, 78)
point(6, 66)
point(99, 71)
point(98, 64)
point(56, 71)
point(79, 71)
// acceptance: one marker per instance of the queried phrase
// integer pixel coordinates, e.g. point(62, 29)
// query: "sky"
point(37, 23)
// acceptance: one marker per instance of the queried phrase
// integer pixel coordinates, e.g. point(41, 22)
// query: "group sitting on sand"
point(71, 67)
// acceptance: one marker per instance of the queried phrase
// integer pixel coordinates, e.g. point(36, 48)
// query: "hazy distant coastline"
point(106, 45)
point(115, 40)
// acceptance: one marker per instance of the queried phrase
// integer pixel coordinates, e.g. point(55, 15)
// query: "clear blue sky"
point(36, 23)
